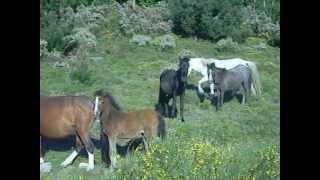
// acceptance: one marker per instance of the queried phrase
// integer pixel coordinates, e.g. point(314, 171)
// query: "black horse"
point(230, 80)
point(172, 84)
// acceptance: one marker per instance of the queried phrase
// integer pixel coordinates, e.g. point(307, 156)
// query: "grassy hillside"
point(239, 142)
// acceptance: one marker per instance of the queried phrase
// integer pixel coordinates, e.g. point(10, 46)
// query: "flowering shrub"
point(154, 19)
point(207, 159)
point(267, 165)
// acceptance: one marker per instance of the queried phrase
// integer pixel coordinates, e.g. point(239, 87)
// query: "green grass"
point(131, 73)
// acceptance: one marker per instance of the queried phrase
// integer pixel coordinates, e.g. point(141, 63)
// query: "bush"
point(43, 49)
point(186, 53)
point(141, 40)
point(84, 37)
point(227, 45)
point(154, 19)
point(267, 165)
point(262, 25)
point(165, 42)
point(207, 19)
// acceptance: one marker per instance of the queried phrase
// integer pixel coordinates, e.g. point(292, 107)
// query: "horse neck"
point(182, 85)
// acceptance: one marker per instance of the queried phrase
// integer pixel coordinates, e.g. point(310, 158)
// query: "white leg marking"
point(69, 159)
point(212, 88)
point(199, 84)
point(89, 166)
point(96, 106)
point(41, 160)
point(91, 161)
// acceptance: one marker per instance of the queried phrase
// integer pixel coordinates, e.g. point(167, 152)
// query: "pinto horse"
point(121, 128)
point(62, 116)
point(172, 84)
point(200, 65)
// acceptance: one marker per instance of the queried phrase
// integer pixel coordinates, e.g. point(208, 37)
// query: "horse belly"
point(56, 126)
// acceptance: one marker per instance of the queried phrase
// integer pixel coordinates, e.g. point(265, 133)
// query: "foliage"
point(141, 40)
point(80, 67)
point(207, 19)
point(186, 53)
point(43, 48)
point(154, 19)
point(208, 159)
point(262, 25)
point(147, 3)
point(84, 37)
point(165, 42)
point(227, 45)
point(266, 166)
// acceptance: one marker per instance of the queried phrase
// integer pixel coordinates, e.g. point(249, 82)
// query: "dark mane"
point(106, 94)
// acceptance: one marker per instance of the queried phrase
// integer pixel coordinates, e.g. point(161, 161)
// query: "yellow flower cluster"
point(206, 157)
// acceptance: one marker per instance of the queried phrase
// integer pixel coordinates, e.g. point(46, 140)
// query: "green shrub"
point(154, 19)
point(266, 166)
point(84, 37)
point(165, 42)
point(207, 19)
point(227, 45)
point(141, 40)
point(43, 49)
point(186, 53)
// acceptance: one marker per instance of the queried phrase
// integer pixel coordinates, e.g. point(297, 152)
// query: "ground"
point(238, 142)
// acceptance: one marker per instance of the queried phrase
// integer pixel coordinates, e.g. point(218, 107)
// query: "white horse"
point(200, 65)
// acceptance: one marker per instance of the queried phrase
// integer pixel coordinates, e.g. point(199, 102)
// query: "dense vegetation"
point(91, 44)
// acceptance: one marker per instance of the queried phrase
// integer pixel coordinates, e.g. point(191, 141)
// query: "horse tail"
point(256, 84)
point(161, 127)
point(104, 145)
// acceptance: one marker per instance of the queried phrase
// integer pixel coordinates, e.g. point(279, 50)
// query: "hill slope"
point(224, 144)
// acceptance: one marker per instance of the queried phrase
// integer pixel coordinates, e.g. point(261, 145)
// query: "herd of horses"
point(62, 116)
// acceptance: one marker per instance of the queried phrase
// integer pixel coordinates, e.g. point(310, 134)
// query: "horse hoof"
point(83, 165)
point(45, 167)
point(64, 164)
point(89, 168)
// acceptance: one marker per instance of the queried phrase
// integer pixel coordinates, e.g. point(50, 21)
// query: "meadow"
point(238, 142)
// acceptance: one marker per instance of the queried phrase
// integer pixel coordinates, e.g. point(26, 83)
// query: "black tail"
point(104, 146)
point(161, 127)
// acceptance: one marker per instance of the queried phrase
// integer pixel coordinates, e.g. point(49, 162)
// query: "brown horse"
point(62, 116)
point(121, 128)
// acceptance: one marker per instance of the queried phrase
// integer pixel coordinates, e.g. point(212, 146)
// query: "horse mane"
point(106, 94)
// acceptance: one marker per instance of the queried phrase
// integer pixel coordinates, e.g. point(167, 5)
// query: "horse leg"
point(245, 88)
point(212, 88)
point(202, 80)
point(166, 113)
point(174, 105)
point(85, 138)
point(181, 106)
point(44, 166)
point(221, 97)
point(41, 159)
point(74, 154)
point(218, 99)
point(112, 151)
